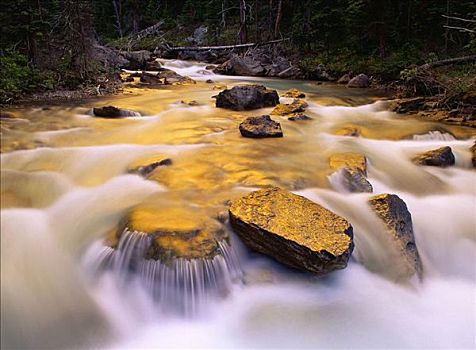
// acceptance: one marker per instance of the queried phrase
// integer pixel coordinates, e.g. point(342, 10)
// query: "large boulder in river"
point(260, 127)
point(360, 81)
point(245, 97)
point(293, 230)
point(348, 159)
point(441, 157)
point(113, 112)
point(394, 213)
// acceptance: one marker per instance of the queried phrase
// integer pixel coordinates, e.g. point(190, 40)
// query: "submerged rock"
point(113, 112)
point(441, 157)
point(360, 81)
point(297, 106)
point(259, 127)
point(219, 87)
point(394, 213)
point(293, 230)
point(299, 116)
point(145, 170)
point(246, 97)
point(294, 93)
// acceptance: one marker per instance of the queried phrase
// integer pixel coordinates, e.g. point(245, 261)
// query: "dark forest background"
point(47, 44)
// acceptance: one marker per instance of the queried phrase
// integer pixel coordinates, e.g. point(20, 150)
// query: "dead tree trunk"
point(242, 33)
point(224, 47)
point(450, 61)
point(278, 18)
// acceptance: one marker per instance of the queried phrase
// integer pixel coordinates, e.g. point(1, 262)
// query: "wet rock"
point(210, 67)
point(473, 154)
point(441, 157)
point(190, 103)
point(293, 230)
point(297, 106)
point(394, 213)
point(209, 81)
point(176, 232)
point(259, 127)
point(245, 97)
point(360, 81)
point(351, 171)
point(219, 87)
point(408, 105)
point(345, 79)
point(354, 180)
point(145, 170)
point(348, 131)
point(294, 93)
point(153, 65)
point(137, 59)
point(298, 117)
point(350, 160)
point(129, 79)
point(237, 65)
point(152, 79)
point(113, 112)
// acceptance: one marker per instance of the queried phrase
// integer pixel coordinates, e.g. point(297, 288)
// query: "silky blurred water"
point(64, 186)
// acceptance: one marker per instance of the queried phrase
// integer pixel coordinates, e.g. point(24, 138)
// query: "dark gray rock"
point(243, 66)
point(360, 81)
point(293, 230)
point(259, 127)
point(355, 180)
point(473, 154)
point(441, 157)
point(298, 117)
point(246, 97)
point(137, 59)
point(394, 213)
point(113, 112)
point(345, 79)
point(145, 170)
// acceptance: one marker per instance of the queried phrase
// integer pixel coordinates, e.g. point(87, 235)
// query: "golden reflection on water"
point(209, 175)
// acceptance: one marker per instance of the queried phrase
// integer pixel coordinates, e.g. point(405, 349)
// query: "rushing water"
point(65, 186)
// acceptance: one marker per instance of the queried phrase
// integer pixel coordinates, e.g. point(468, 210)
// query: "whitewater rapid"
point(59, 202)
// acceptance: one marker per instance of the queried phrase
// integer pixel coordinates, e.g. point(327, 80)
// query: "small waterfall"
point(180, 285)
point(434, 136)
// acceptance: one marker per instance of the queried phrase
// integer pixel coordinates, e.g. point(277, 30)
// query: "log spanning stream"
point(67, 282)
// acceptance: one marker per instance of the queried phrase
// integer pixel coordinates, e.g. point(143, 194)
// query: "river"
point(65, 186)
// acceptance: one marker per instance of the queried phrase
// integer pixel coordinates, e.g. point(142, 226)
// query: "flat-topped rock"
point(260, 127)
point(297, 106)
point(247, 97)
point(176, 232)
point(441, 157)
point(350, 160)
point(394, 213)
point(293, 230)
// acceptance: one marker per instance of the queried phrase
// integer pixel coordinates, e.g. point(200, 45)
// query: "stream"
point(65, 185)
